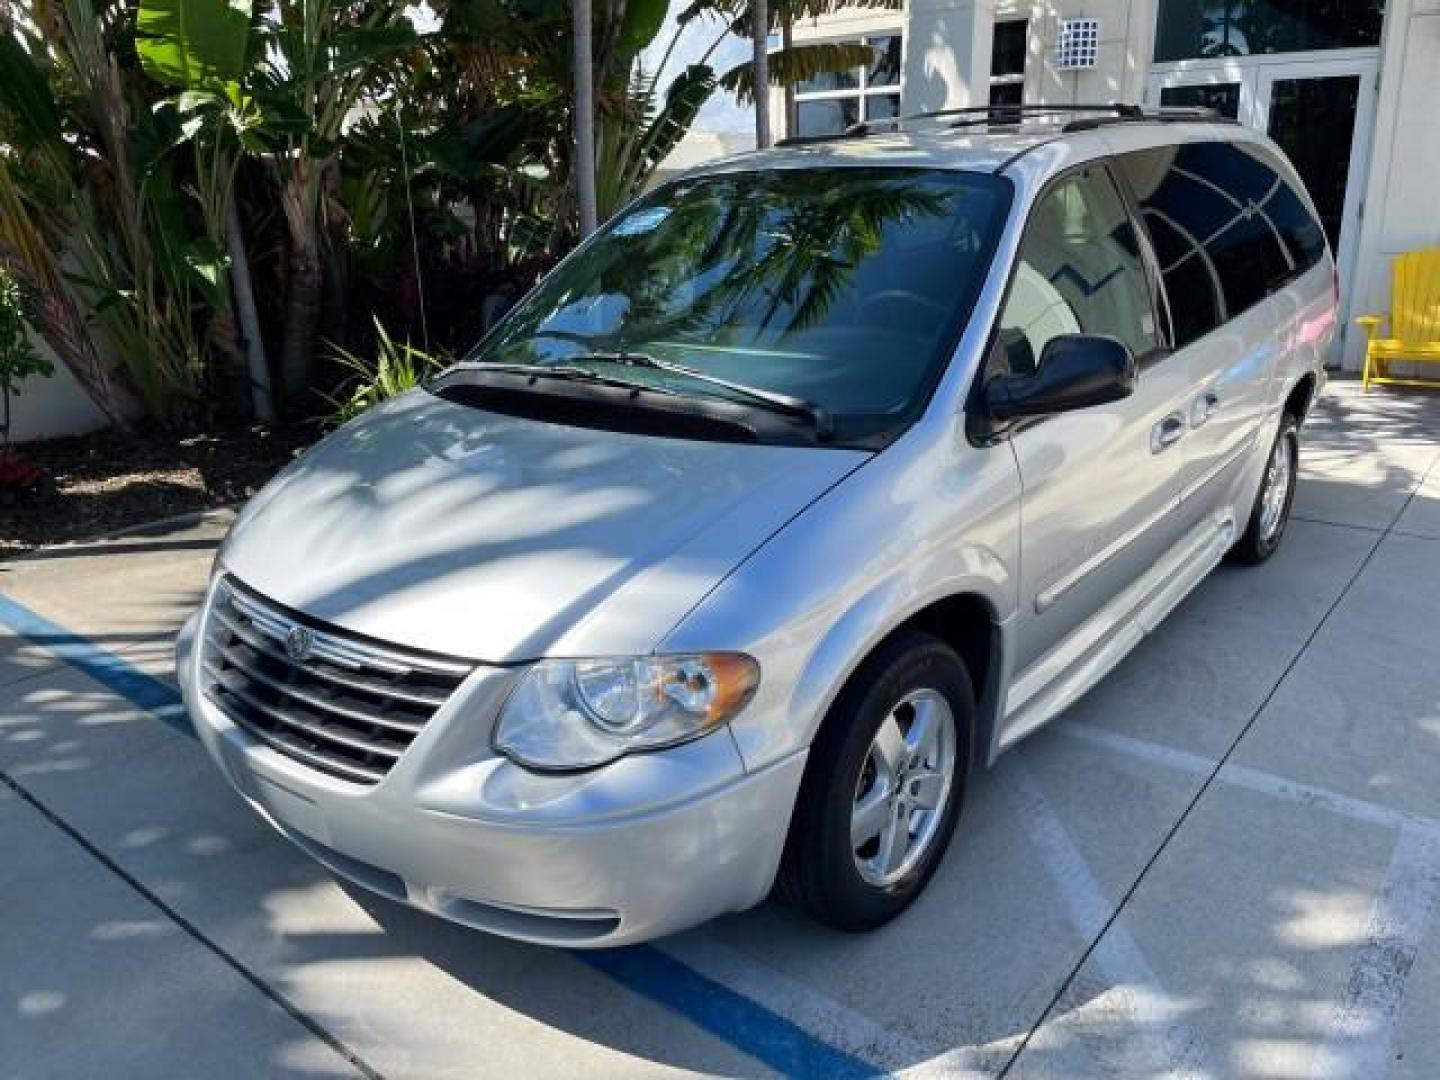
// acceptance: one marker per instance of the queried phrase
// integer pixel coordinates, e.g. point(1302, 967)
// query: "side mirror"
point(1075, 372)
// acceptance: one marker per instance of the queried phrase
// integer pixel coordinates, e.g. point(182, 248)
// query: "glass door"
point(1319, 113)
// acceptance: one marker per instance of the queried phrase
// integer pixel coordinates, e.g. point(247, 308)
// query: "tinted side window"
point(1079, 271)
point(1227, 229)
point(1303, 236)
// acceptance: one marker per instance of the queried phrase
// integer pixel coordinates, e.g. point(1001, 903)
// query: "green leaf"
point(643, 20)
point(796, 64)
point(25, 95)
point(193, 44)
point(727, 9)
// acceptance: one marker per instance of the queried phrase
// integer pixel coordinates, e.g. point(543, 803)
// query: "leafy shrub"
point(397, 367)
point(18, 358)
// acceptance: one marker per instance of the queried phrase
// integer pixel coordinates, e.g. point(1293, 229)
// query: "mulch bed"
point(104, 482)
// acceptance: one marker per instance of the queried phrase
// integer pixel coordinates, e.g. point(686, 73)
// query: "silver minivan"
point(816, 478)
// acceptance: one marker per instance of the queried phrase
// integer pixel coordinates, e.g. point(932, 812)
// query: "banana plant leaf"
point(643, 20)
point(630, 146)
point(193, 44)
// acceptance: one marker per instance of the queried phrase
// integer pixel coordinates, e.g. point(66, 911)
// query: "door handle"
point(1167, 433)
point(1203, 407)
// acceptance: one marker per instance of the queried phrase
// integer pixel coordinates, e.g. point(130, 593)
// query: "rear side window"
point(1227, 229)
point(1079, 272)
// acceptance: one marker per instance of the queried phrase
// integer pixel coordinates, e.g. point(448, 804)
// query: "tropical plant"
point(68, 208)
point(637, 136)
point(199, 48)
point(584, 114)
point(183, 182)
point(398, 366)
point(317, 61)
point(19, 359)
point(790, 64)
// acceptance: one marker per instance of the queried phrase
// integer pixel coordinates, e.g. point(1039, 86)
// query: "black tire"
point(819, 874)
point(1257, 543)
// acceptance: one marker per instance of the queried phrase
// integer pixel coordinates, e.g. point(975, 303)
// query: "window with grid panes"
point(831, 102)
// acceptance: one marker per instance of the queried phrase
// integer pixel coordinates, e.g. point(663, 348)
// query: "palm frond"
point(797, 64)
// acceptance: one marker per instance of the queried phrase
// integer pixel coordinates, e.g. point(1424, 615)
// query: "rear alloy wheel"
point(883, 787)
point(1271, 512)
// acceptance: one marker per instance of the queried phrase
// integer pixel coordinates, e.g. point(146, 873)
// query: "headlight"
point(574, 714)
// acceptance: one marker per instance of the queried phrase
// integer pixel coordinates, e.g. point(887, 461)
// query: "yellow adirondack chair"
point(1414, 321)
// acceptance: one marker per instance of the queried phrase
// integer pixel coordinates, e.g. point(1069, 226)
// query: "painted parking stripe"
point(1151, 1014)
point(836, 1023)
point(153, 695)
point(1363, 1024)
point(764, 1035)
point(1251, 779)
point(644, 970)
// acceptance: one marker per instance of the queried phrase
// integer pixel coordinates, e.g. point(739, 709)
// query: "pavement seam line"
point(270, 993)
point(1210, 779)
point(49, 669)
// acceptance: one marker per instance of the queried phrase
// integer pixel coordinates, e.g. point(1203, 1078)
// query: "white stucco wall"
point(1400, 212)
point(48, 408)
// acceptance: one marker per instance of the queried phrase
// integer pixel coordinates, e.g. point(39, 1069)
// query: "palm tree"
point(760, 42)
point(584, 119)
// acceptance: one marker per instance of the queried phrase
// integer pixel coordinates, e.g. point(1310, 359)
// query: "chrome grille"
point(343, 705)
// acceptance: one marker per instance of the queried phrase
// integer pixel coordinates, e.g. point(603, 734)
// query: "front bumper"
point(646, 846)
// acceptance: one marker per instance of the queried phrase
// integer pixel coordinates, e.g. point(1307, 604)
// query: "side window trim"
point(1159, 298)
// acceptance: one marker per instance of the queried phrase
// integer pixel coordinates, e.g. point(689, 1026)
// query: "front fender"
point(929, 518)
point(875, 617)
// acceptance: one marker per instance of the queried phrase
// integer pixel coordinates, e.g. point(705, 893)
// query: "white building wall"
point(1400, 211)
point(947, 54)
point(1124, 50)
point(49, 408)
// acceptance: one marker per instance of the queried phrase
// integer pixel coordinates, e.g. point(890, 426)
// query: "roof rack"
point(1091, 116)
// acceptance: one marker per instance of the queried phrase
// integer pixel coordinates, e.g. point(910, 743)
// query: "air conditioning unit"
point(1077, 45)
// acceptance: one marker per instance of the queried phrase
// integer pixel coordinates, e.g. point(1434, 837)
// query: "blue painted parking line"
point(732, 1017)
point(144, 691)
point(646, 971)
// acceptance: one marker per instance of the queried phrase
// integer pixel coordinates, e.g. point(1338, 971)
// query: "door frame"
point(1256, 76)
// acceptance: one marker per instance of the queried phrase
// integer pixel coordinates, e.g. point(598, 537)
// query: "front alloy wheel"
point(883, 787)
point(903, 788)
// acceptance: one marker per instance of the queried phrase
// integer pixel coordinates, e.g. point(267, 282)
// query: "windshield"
point(840, 287)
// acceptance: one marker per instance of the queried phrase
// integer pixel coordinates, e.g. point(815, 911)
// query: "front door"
point(1101, 484)
point(1318, 110)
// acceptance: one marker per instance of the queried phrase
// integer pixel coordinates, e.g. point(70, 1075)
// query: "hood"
point(443, 527)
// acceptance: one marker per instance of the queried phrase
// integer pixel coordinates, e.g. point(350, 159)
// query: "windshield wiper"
point(818, 416)
point(568, 372)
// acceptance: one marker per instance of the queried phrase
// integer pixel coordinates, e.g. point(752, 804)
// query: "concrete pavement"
point(1225, 860)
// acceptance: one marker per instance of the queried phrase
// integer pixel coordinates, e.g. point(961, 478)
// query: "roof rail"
point(1092, 116)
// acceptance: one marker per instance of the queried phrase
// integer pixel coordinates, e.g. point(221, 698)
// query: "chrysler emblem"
point(298, 642)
